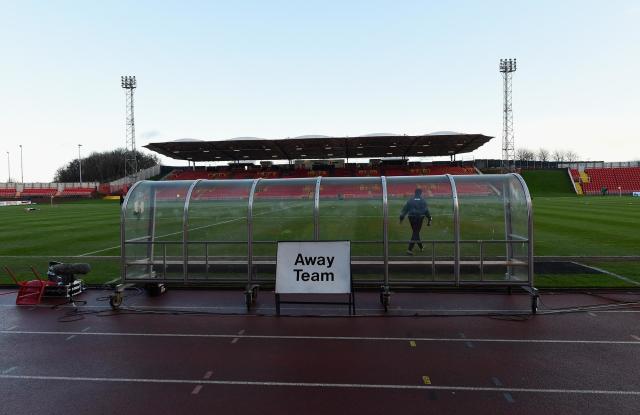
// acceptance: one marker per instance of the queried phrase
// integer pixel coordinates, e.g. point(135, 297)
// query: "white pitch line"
point(604, 271)
point(325, 338)
point(100, 250)
point(195, 229)
point(323, 385)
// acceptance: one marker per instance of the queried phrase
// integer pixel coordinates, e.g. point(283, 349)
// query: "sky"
point(275, 69)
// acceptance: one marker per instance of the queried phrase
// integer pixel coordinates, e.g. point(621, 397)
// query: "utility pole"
point(80, 163)
point(21, 166)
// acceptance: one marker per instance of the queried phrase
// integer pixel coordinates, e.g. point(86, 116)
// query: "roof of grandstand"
point(444, 143)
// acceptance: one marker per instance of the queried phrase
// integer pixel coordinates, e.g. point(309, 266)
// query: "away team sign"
point(313, 267)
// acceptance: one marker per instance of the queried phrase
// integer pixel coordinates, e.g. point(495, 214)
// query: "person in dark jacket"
point(416, 209)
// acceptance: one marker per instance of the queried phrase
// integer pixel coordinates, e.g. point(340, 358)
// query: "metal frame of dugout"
point(225, 232)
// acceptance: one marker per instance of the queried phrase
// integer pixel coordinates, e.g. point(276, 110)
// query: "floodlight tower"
point(130, 160)
point(507, 67)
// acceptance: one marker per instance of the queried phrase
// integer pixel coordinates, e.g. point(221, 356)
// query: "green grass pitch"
point(574, 226)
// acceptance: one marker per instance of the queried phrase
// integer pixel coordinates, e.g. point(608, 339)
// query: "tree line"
point(524, 154)
point(102, 167)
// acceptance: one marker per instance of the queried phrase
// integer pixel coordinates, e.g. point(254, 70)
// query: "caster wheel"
point(385, 299)
point(248, 299)
point(115, 301)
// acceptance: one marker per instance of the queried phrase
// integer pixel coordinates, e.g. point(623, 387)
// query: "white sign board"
point(636, 193)
point(313, 268)
point(15, 203)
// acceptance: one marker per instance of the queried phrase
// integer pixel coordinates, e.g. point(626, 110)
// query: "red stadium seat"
point(625, 178)
point(43, 192)
point(8, 192)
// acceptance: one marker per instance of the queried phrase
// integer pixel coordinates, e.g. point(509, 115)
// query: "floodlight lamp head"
point(507, 65)
point(128, 82)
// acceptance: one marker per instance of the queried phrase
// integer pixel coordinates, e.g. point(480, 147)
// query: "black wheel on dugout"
point(385, 298)
point(248, 299)
point(115, 301)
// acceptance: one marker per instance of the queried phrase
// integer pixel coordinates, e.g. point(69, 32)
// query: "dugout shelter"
point(225, 232)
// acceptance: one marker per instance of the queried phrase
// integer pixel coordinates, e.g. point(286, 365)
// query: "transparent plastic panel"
point(153, 225)
point(217, 235)
point(282, 211)
point(419, 252)
point(519, 215)
point(493, 228)
point(351, 210)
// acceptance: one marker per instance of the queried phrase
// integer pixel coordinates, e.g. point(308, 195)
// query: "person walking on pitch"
point(416, 209)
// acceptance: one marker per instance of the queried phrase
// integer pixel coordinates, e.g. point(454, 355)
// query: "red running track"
point(130, 362)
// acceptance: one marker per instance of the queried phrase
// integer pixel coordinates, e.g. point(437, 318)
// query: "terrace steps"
point(584, 177)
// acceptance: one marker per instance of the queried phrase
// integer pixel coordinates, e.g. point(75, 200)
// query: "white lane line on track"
point(326, 338)
point(12, 327)
point(86, 329)
point(235, 340)
point(208, 375)
point(507, 396)
point(196, 390)
point(11, 369)
point(635, 337)
point(592, 314)
point(70, 337)
point(467, 343)
point(363, 310)
point(323, 385)
point(244, 308)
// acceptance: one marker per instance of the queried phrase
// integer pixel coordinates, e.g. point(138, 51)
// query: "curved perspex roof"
point(321, 147)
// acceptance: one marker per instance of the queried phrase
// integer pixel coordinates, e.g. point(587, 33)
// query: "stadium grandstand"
point(370, 155)
point(383, 155)
point(47, 190)
point(603, 180)
point(314, 155)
